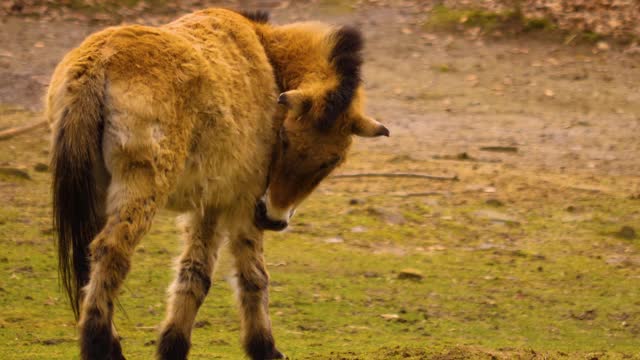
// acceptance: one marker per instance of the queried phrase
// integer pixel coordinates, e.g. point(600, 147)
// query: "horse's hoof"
point(116, 350)
point(278, 355)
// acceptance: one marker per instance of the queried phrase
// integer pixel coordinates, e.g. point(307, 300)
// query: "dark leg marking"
point(95, 337)
point(193, 270)
point(253, 285)
point(262, 347)
point(116, 350)
point(173, 345)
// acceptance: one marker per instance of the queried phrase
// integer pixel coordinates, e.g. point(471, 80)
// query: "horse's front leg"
point(253, 294)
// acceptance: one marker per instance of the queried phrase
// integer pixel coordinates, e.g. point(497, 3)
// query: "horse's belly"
point(220, 183)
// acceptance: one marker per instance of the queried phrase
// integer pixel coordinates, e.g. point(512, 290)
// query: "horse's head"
point(322, 117)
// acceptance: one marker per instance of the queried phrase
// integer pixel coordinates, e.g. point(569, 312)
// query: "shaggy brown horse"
point(186, 115)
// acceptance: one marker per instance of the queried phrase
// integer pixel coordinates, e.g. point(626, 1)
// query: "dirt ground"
point(544, 138)
point(443, 94)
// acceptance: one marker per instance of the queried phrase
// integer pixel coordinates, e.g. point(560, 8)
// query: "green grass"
point(446, 18)
point(557, 284)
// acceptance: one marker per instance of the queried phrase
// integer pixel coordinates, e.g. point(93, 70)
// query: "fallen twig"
point(397, 175)
point(9, 133)
point(500, 148)
point(14, 172)
point(417, 194)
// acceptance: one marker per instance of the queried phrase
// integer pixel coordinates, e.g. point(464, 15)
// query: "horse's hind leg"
point(116, 348)
point(191, 284)
point(131, 205)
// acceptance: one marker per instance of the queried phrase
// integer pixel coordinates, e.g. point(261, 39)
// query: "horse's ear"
point(296, 101)
point(368, 127)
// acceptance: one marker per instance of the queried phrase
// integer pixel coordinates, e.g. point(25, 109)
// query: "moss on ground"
point(444, 18)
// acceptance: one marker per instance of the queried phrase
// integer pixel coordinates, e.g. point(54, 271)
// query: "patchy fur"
point(185, 115)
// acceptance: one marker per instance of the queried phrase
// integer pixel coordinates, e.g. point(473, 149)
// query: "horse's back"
point(196, 96)
point(230, 146)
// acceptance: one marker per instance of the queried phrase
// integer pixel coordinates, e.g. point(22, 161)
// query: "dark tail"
point(78, 199)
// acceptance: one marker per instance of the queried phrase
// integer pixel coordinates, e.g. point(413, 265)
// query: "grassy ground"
point(513, 264)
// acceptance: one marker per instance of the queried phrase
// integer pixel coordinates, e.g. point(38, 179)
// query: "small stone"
point(486, 246)
point(390, 316)
point(627, 232)
point(52, 341)
point(463, 156)
point(202, 324)
point(41, 167)
point(334, 240)
point(494, 202)
point(371, 274)
point(410, 274)
point(587, 315)
point(391, 218)
point(602, 46)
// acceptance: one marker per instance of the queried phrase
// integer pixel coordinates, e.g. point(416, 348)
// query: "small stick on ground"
point(397, 175)
point(418, 194)
point(9, 133)
point(507, 149)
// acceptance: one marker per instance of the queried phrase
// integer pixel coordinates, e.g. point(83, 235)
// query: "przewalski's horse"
point(186, 114)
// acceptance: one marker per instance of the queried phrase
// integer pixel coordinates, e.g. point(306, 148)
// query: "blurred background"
point(520, 244)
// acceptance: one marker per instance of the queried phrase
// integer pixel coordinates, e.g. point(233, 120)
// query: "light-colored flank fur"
point(186, 115)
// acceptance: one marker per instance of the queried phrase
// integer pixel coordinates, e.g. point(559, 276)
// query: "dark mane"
point(258, 16)
point(346, 58)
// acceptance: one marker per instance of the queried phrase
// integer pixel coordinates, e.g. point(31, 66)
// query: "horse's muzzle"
point(263, 222)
